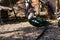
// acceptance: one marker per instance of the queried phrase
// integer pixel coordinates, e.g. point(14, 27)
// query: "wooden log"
point(5, 8)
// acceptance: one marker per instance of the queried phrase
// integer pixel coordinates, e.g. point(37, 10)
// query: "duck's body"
point(38, 22)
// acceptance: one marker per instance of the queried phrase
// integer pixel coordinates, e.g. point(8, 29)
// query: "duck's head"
point(30, 13)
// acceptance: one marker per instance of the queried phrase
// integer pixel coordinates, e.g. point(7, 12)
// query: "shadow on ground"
point(14, 21)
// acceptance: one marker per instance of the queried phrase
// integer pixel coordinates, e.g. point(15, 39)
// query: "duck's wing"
point(43, 22)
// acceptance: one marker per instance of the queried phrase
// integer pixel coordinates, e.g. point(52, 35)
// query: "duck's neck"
point(30, 15)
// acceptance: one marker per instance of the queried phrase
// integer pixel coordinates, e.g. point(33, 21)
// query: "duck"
point(37, 21)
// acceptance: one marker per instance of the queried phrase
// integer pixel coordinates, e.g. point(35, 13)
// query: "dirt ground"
point(19, 31)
